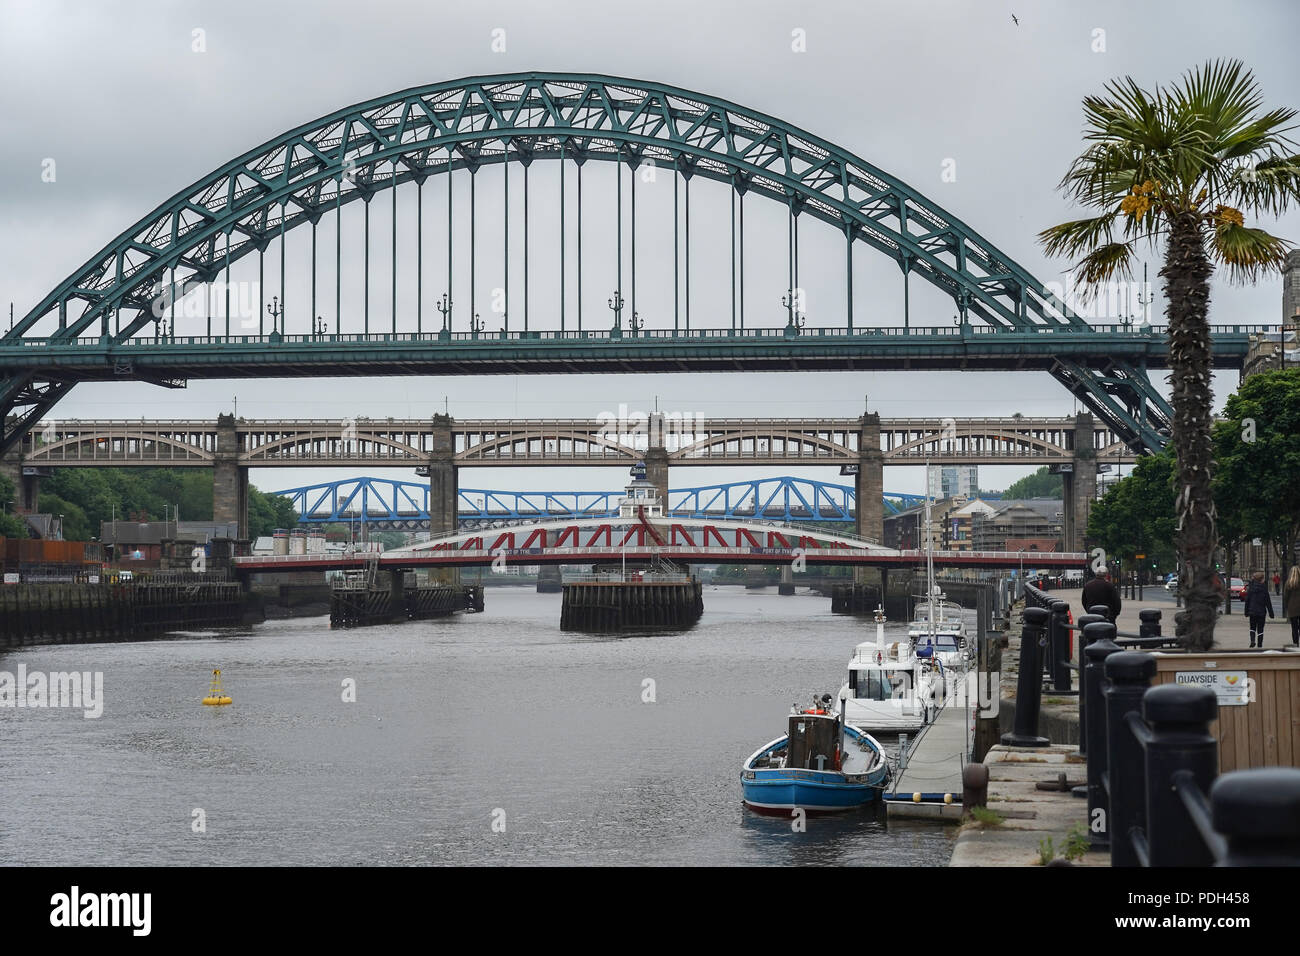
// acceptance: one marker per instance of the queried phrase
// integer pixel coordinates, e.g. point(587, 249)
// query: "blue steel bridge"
point(405, 235)
point(393, 504)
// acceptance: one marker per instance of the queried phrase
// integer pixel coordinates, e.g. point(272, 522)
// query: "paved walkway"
point(1231, 632)
point(1030, 817)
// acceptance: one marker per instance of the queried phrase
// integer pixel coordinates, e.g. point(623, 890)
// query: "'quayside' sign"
point(1233, 688)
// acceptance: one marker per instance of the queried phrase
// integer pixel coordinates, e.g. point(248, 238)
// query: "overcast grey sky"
point(114, 93)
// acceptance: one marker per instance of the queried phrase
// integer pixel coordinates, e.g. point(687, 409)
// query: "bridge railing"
point(573, 335)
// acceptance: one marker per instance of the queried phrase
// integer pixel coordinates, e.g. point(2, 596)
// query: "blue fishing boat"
point(821, 765)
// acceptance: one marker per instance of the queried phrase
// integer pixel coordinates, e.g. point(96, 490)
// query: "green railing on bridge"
point(1235, 337)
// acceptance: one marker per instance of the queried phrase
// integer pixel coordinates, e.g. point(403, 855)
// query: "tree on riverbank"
point(86, 497)
point(11, 526)
point(1257, 445)
point(1181, 166)
point(1137, 515)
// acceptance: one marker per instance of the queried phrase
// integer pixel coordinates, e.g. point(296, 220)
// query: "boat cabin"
point(881, 671)
point(879, 684)
point(942, 642)
point(815, 741)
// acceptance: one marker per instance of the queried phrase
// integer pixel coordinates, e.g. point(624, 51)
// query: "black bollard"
point(1082, 623)
point(1029, 686)
point(1099, 644)
point(1149, 626)
point(1128, 675)
point(1101, 609)
point(1258, 811)
point(1179, 716)
point(1058, 646)
point(974, 787)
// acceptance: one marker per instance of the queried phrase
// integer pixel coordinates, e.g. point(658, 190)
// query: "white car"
point(1172, 584)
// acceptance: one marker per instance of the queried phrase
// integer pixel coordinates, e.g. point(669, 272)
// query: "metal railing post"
point(1059, 647)
point(1258, 811)
point(1128, 675)
point(1149, 622)
point(1179, 716)
point(1029, 685)
point(1082, 625)
point(1099, 645)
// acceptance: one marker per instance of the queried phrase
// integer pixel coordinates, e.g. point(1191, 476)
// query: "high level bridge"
point(441, 446)
point(271, 266)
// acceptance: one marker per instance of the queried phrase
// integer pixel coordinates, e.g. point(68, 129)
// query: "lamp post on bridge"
point(636, 323)
point(444, 306)
point(615, 303)
point(795, 318)
point(475, 325)
point(275, 311)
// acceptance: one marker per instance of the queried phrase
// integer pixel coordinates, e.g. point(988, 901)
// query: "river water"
point(480, 739)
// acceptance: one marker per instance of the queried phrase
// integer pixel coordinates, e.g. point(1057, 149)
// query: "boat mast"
point(929, 552)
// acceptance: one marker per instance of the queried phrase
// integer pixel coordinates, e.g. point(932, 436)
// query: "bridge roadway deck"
point(605, 440)
point(277, 355)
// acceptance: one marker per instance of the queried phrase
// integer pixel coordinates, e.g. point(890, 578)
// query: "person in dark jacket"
point(1291, 602)
point(1258, 603)
point(1100, 591)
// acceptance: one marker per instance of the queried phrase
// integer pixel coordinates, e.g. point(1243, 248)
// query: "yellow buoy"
point(216, 696)
point(916, 798)
point(947, 798)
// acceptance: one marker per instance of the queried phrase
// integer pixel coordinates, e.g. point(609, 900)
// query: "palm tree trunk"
point(1187, 272)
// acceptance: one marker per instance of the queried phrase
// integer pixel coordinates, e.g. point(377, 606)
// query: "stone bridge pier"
point(1079, 485)
point(27, 487)
point(444, 484)
point(229, 478)
point(869, 489)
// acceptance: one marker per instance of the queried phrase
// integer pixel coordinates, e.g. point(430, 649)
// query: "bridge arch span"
point(522, 118)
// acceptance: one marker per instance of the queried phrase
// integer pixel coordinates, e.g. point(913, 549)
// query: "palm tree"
point(1181, 165)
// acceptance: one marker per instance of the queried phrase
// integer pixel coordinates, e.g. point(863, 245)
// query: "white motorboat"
point(891, 687)
point(938, 624)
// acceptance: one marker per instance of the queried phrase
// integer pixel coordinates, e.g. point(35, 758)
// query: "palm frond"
point(1105, 262)
point(1076, 237)
point(1245, 251)
point(1270, 185)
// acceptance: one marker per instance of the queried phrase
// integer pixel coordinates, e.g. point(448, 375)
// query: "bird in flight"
point(1015, 19)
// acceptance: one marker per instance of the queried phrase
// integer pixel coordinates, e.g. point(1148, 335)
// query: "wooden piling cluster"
point(361, 607)
point(865, 598)
point(612, 607)
point(854, 598)
point(78, 612)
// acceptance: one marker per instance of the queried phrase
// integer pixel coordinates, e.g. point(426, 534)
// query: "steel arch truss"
point(780, 499)
point(401, 503)
point(522, 118)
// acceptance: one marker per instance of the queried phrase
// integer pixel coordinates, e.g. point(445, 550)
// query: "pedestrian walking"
point(1258, 603)
point(1291, 602)
point(1277, 583)
point(1100, 591)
